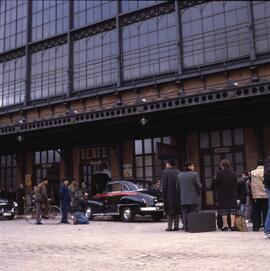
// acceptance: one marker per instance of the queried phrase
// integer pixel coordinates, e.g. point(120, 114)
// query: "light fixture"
point(143, 121)
point(140, 100)
point(118, 102)
point(20, 138)
point(231, 83)
point(21, 121)
point(70, 111)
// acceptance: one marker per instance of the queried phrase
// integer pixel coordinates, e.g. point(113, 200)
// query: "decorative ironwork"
point(56, 41)
point(12, 54)
point(190, 3)
point(93, 29)
point(146, 13)
point(230, 94)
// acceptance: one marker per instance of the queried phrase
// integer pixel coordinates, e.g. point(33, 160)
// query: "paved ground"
point(142, 245)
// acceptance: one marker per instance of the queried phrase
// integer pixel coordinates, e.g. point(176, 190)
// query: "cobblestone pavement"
point(142, 245)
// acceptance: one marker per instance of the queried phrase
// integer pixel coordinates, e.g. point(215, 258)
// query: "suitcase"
point(201, 222)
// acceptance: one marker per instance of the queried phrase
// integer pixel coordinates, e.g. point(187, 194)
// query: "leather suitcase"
point(201, 222)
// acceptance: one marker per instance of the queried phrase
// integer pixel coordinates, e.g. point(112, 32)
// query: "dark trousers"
point(260, 207)
point(173, 220)
point(38, 211)
point(64, 209)
point(186, 209)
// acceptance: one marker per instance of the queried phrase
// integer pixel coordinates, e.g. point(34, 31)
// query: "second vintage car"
point(7, 208)
point(123, 199)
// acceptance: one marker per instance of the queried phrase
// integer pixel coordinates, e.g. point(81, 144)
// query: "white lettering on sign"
point(95, 153)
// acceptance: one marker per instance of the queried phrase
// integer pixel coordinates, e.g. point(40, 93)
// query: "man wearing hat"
point(170, 195)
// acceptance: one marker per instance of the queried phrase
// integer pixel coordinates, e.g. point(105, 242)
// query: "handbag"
point(240, 223)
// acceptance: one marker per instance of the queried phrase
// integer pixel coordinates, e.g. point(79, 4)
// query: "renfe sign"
point(166, 151)
point(95, 153)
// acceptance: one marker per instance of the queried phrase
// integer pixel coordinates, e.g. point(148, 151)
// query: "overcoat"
point(189, 186)
point(64, 196)
point(170, 194)
point(226, 186)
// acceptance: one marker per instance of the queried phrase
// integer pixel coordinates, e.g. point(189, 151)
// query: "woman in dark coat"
point(226, 185)
point(171, 195)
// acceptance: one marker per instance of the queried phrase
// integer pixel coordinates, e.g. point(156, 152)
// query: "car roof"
point(129, 181)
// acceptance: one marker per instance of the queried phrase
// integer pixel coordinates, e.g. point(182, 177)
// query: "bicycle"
point(53, 216)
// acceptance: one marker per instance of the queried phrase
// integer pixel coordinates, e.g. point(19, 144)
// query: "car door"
point(113, 198)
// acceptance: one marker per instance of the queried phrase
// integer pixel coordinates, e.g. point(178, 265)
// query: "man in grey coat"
point(189, 186)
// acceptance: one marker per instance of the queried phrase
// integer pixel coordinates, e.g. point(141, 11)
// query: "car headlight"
point(15, 204)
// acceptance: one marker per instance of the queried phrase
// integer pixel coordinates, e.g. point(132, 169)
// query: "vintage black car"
point(123, 199)
point(7, 208)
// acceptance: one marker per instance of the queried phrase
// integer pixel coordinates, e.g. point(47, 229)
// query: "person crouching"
point(79, 210)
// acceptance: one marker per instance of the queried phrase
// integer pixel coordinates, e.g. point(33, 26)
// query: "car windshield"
point(145, 185)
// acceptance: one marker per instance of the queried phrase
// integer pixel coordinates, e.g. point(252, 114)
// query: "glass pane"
point(148, 145)
point(138, 146)
point(57, 156)
point(229, 157)
point(217, 159)
point(44, 157)
point(239, 169)
point(37, 158)
point(148, 160)
point(148, 172)
point(155, 143)
point(208, 183)
point(207, 172)
point(50, 156)
point(3, 160)
point(238, 136)
point(239, 157)
point(139, 161)
point(139, 172)
point(116, 187)
point(215, 139)
point(207, 160)
point(167, 140)
point(204, 141)
point(227, 138)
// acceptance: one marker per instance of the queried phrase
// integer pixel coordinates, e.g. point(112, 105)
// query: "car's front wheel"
point(89, 213)
point(127, 214)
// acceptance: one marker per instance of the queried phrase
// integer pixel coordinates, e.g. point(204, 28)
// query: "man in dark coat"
point(20, 199)
point(64, 196)
point(170, 195)
point(189, 186)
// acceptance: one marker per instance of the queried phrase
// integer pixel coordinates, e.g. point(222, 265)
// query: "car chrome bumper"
point(151, 209)
point(6, 214)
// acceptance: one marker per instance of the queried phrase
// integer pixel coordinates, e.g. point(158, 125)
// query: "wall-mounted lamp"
point(71, 111)
point(143, 121)
point(20, 138)
point(21, 121)
point(140, 100)
point(231, 83)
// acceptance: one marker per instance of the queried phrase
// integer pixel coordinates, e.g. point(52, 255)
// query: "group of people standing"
point(182, 195)
point(254, 190)
point(72, 199)
point(181, 192)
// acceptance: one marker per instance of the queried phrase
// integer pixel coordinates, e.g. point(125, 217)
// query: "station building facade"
point(111, 89)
